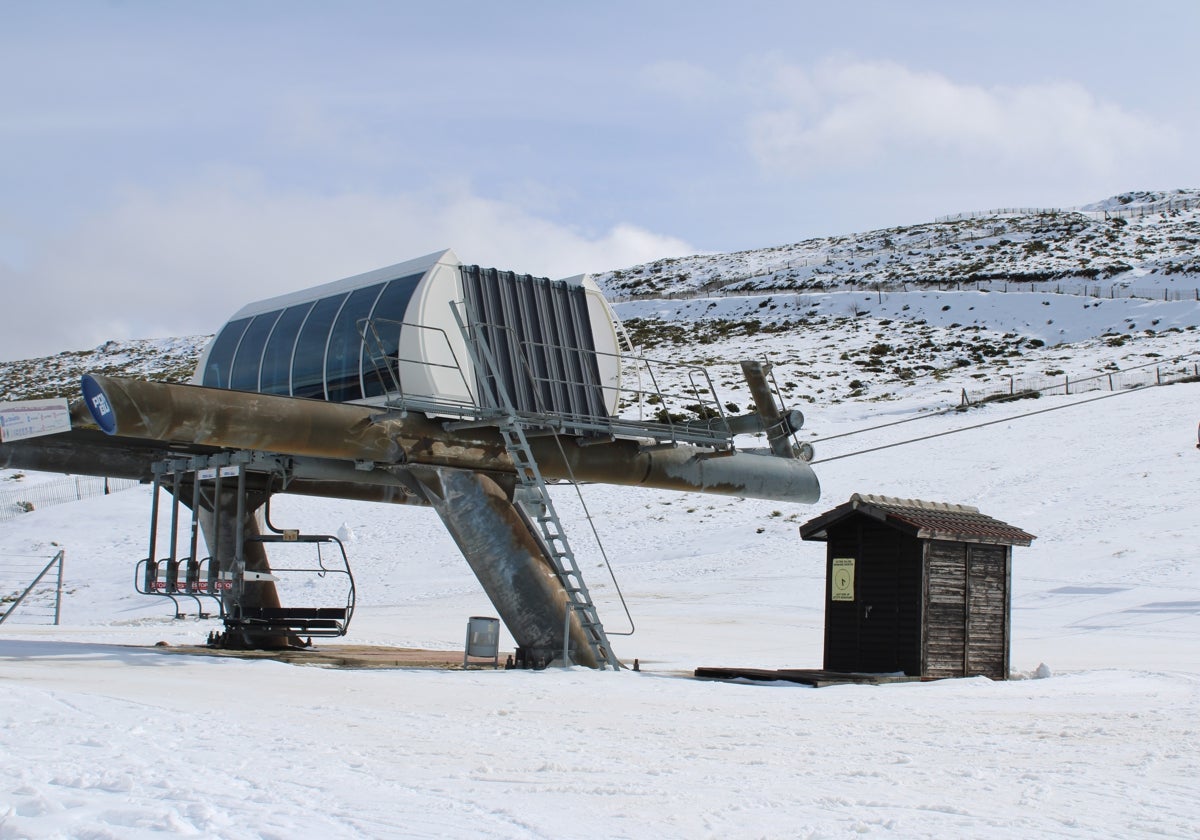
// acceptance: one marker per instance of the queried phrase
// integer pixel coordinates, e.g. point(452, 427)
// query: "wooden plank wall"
point(966, 610)
point(945, 628)
point(987, 611)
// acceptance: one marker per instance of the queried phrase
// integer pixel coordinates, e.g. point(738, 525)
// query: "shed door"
point(945, 640)
point(966, 612)
point(987, 611)
point(878, 630)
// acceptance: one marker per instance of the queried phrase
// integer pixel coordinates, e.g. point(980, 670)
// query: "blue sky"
point(165, 163)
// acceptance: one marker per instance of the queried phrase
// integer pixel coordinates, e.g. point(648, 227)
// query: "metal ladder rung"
point(536, 502)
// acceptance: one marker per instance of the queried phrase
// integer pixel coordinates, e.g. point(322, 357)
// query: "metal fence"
point(1112, 291)
point(1166, 206)
point(1150, 208)
point(25, 498)
point(31, 588)
point(1049, 287)
point(1002, 211)
point(1118, 380)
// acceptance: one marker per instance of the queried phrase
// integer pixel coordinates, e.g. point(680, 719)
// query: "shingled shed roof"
point(923, 520)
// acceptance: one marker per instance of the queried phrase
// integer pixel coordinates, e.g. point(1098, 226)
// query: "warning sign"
point(842, 579)
point(32, 418)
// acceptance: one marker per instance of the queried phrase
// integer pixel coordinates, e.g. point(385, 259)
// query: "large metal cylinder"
point(757, 376)
point(292, 426)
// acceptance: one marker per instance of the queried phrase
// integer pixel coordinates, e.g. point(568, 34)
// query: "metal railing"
point(23, 581)
point(395, 373)
point(644, 406)
point(653, 411)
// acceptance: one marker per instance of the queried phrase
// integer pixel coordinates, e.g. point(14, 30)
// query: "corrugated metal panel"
point(539, 333)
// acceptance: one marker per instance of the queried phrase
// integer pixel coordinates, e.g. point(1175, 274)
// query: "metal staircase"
point(533, 499)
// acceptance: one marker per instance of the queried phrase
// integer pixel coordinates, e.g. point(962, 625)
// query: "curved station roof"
point(401, 330)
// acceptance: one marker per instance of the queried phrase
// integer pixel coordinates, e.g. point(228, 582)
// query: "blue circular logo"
point(98, 405)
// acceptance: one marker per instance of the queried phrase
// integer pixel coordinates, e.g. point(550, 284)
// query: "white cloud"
point(847, 115)
point(180, 262)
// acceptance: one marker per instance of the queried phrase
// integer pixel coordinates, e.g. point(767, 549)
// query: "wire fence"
point(25, 498)
point(739, 287)
point(1153, 373)
point(1137, 211)
point(31, 588)
point(1150, 209)
point(1001, 211)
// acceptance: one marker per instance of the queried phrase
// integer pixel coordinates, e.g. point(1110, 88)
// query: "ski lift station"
point(399, 331)
point(432, 383)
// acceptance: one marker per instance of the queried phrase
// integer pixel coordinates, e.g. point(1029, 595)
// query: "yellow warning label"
point(842, 579)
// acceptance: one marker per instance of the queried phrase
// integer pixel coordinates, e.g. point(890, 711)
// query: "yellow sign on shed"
point(842, 579)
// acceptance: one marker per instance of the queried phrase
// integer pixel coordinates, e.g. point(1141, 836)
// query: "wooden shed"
point(916, 587)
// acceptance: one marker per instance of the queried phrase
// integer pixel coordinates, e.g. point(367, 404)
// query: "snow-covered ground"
point(106, 736)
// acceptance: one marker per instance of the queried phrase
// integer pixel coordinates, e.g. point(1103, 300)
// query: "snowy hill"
point(164, 360)
point(976, 301)
point(106, 736)
point(1143, 240)
point(989, 302)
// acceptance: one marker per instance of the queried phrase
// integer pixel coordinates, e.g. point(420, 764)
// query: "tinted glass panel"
point(277, 357)
point(308, 367)
point(391, 306)
point(216, 369)
point(345, 347)
point(249, 353)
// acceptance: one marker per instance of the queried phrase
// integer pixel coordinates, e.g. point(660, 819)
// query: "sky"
point(166, 163)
